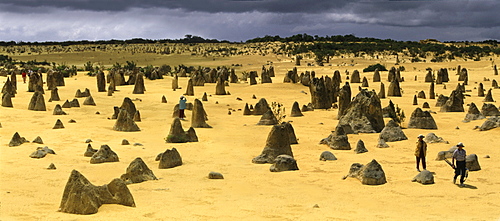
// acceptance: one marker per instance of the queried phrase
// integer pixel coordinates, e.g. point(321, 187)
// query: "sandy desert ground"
point(28, 191)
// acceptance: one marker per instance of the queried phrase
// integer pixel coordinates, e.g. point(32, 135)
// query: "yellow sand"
point(28, 191)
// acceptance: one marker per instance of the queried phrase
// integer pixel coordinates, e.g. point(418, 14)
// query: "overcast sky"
point(240, 20)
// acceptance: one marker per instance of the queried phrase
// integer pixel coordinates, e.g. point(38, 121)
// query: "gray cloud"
point(239, 20)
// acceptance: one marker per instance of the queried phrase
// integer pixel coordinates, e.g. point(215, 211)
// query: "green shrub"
point(375, 66)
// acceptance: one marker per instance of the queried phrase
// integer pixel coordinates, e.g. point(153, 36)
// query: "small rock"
point(327, 156)
point(229, 113)
point(457, 128)
point(51, 167)
point(316, 206)
point(239, 99)
point(215, 175)
point(72, 121)
point(138, 144)
point(88, 140)
point(97, 112)
point(487, 156)
point(125, 142)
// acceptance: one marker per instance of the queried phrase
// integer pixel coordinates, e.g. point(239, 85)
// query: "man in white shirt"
point(459, 156)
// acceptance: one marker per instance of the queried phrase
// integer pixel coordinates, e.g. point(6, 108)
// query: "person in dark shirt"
point(420, 152)
point(459, 157)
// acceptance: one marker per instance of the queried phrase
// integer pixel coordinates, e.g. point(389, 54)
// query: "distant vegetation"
point(375, 66)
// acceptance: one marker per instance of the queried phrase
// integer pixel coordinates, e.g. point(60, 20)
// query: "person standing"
point(24, 76)
point(459, 156)
point(182, 107)
point(420, 152)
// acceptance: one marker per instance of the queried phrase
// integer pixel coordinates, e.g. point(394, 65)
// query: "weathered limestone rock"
point(296, 110)
point(355, 78)
point(101, 82)
point(392, 132)
point(58, 125)
point(381, 143)
point(277, 143)
point(320, 97)
point(441, 100)
point(433, 138)
point(268, 118)
point(344, 100)
point(38, 140)
point(7, 100)
point(307, 107)
point(82, 197)
point(104, 154)
point(252, 75)
point(284, 163)
point(139, 87)
point(74, 103)
point(204, 97)
point(494, 84)
point(381, 93)
point(54, 95)
point(170, 159)
point(337, 140)
point(37, 102)
point(489, 97)
point(199, 116)
point(124, 122)
point(369, 174)
point(8, 88)
point(429, 77)
point(190, 88)
point(137, 116)
point(17, 140)
point(422, 120)
point(163, 99)
point(261, 107)
point(215, 175)
point(364, 83)
point(432, 95)
point(489, 110)
point(364, 113)
point(41, 152)
point(178, 135)
point(424, 177)
point(90, 151)
point(454, 103)
point(129, 106)
point(138, 172)
point(51, 167)
point(415, 101)
point(490, 123)
point(89, 101)
point(480, 90)
point(421, 95)
point(360, 147)
point(66, 104)
point(472, 162)
point(376, 75)
point(473, 113)
point(394, 89)
point(426, 105)
point(327, 156)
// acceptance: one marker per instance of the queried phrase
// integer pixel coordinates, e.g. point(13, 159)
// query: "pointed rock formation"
point(89, 101)
point(284, 163)
point(473, 113)
point(139, 87)
point(369, 174)
point(490, 123)
point(54, 95)
point(433, 138)
point(344, 100)
point(137, 116)
point(381, 143)
point(489, 110)
point(163, 99)
point(489, 97)
point(199, 116)
point(376, 75)
point(204, 97)
point(296, 110)
point(7, 100)
point(82, 197)
point(74, 103)
point(277, 143)
point(268, 118)
point(364, 83)
point(291, 132)
point(381, 93)
point(480, 90)
point(360, 147)
point(355, 78)
point(66, 104)
point(190, 88)
point(454, 103)
point(394, 89)
point(337, 140)
point(138, 172)
point(421, 95)
point(415, 101)
point(178, 135)
point(422, 120)
point(170, 159)
point(364, 113)
point(494, 84)
point(78, 93)
point(129, 106)
point(392, 132)
point(429, 77)
point(426, 105)
point(58, 125)
point(472, 162)
point(432, 95)
point(124, 122)
point(252, 76)
point(320, 96)
point(247, 110)
point(103, 155)
point(441, 100)
point(17, 140)
point(38, 140)
point(101, 82)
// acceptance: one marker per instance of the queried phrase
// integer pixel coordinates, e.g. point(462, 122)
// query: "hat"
point(182, 97)
point(460, 144)
point(420, 136)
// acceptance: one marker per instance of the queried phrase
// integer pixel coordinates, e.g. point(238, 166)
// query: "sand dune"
point(28, 191)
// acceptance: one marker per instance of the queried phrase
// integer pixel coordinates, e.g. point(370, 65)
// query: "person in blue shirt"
point(182, 107)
